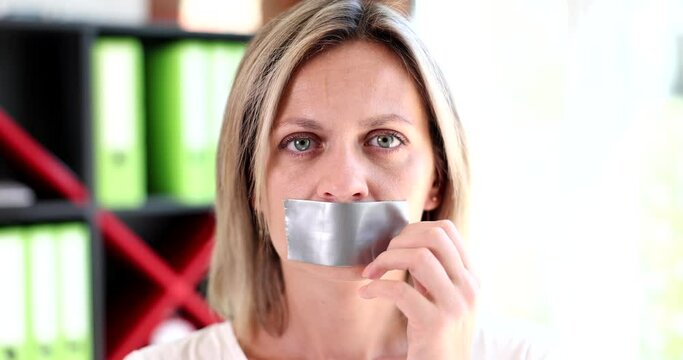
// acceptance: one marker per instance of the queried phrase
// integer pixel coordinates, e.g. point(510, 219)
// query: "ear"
point(433, 199)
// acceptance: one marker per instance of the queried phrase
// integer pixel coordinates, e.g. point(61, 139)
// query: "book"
point(178, 121)
point(74, 291)
point(13, 302)
point(118, 110)
point(42, 293)
point(225, 58)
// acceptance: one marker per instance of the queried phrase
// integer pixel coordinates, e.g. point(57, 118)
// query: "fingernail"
point(366, 272)
point(362, 291)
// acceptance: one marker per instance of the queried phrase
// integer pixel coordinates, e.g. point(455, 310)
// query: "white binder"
point(43, 301)
point(13, 311)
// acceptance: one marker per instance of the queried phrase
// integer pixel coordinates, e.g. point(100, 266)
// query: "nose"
point(342, 177)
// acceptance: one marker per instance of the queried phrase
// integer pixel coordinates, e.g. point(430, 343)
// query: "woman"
point(338, 101)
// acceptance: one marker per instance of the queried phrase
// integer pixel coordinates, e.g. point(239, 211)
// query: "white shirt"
point(218, 342)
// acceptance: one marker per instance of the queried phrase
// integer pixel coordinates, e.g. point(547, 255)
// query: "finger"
point(420, 288)
point(423, 267)
point(435, 239)
point(458, 306)
point(450, 229)
point(457, 239)
point(414, 306)
point(470, 290)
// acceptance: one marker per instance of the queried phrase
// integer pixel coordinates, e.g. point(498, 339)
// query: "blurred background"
point(573, 111)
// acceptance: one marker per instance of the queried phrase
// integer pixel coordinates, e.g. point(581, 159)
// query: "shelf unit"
point(45, 211)
point(147, 263)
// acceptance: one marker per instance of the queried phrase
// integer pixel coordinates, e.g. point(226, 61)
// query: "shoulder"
point(213, 342)
point(500, 345)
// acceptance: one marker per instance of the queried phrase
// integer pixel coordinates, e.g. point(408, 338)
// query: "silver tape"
point(341, 234)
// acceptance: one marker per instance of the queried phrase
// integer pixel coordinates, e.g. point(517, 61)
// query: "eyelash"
point(315, 141)
point(402, 140)
point(298, 136)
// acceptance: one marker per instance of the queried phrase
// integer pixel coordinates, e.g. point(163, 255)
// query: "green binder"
point(75, 309)
point(42, 286)
point(178, 127)
point(225, 59)
point(13, 301)
point(117, 65)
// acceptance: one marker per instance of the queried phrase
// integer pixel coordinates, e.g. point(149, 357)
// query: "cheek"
point(276, 226)
point(407, 176)
point(283, 181)
point(290, 180)
point(410, 179)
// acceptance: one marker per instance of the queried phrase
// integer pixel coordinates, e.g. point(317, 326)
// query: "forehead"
point(355, 80)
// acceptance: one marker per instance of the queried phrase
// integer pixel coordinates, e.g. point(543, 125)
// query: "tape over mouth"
point(341, 234)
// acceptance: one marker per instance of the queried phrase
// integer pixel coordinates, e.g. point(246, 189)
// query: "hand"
point(440, 303)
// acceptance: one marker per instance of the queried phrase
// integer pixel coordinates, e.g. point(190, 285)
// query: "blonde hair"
point(245, 278)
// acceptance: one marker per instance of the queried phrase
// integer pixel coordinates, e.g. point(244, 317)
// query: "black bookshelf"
point(163, 206)
point(44, 211)
point(45, 86)
point(158, 31)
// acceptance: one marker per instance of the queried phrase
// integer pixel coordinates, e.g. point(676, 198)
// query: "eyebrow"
point(381, 120)
point(375, 121)
point(305, 123)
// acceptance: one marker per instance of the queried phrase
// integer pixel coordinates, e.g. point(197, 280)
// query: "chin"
point(332, 273)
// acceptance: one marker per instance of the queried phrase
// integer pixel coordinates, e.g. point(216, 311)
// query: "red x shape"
point(178, 285)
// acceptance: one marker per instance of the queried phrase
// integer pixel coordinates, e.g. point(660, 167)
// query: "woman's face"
point(350, 127)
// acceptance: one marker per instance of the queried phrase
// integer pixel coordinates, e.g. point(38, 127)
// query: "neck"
point(328, 319)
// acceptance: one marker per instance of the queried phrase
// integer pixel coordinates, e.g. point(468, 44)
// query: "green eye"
point(302, 144)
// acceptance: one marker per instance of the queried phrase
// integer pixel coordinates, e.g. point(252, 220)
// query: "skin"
point(353, 127)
